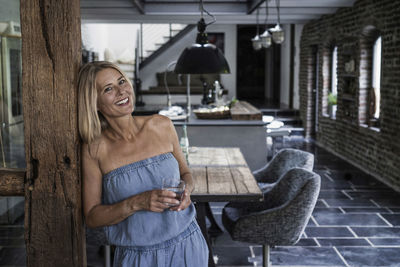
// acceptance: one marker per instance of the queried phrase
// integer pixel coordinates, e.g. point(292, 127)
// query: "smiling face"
point(115, 97)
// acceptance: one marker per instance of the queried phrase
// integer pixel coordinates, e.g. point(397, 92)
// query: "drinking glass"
point(175, 185)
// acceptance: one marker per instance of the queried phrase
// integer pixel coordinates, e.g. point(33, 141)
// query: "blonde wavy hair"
point(91, 121)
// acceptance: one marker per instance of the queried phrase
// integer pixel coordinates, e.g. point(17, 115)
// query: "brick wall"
point(376, 150)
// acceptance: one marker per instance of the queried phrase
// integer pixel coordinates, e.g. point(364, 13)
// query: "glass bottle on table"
point(184, 142)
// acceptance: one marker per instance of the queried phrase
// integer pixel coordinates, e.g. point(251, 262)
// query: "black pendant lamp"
point(202, 57)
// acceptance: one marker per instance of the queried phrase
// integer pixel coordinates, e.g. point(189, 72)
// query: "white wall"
point(285, 66)
point(120, 39)
point(296, 94)
point(9, 10)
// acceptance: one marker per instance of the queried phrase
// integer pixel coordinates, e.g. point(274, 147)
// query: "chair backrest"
point(286, 210)
point(283, 161)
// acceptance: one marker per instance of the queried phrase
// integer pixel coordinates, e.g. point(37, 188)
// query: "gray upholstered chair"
point(283, 161)
point(281, 218)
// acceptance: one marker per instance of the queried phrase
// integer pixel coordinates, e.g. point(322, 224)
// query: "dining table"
point(220, 174)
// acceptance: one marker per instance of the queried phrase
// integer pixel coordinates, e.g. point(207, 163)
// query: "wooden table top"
point(222, 174)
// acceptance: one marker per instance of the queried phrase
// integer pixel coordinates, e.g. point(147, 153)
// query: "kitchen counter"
point(248, 135)
point(224, 122)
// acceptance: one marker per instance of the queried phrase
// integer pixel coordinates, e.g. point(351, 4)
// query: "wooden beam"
point(12, 182)
point(51, 52)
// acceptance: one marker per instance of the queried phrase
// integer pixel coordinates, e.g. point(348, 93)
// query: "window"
point(332, 92)
point(370, 77)
point(334, 72)
point(376, 75)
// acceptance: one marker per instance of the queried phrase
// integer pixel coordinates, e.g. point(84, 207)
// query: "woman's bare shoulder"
point(156, 121)
point(94, 149)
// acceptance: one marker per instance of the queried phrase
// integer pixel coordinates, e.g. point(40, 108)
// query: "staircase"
point(153, 40)
point(155, 36)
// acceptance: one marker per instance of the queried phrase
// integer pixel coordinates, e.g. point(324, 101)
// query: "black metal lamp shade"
point(202, 58)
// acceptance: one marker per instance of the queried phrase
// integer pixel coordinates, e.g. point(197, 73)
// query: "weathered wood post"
point(51, 54)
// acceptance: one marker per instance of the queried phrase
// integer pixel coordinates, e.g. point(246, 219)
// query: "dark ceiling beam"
point(134, 17)
point(103, 4)
point(253, 5)
point(139, 5)
point(153, 8)
point(312, 3)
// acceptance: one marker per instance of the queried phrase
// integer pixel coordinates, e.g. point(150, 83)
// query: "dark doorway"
point(250, 65)
point(258, 72)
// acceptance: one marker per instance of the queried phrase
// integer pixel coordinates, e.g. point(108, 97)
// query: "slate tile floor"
point(356, 223)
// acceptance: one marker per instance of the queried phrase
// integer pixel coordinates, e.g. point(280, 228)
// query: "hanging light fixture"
point(266, 38)
point(202, 57)
point(257, 45)
point(278, 35)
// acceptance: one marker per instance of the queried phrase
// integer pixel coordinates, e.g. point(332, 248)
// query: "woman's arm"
point(97, 214)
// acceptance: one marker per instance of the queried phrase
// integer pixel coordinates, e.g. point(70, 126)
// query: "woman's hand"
point(185, 201)
point(156, 200)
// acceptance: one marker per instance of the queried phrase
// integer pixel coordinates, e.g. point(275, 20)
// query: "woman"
point(125, 160)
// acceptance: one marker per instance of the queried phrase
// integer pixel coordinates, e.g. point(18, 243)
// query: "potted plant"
point(332, 104)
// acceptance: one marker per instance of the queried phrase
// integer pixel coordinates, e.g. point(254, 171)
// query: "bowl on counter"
point(213, 113)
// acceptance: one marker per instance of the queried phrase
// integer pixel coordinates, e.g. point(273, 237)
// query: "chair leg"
point(214, 229)
point(107, 256)
point(266, 262)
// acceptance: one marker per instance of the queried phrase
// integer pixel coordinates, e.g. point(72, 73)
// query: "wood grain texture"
point(234, 156)
point(220, 181)
point(200, 180)
point(51, 52)
point(244, 181)
point(221, 174)
point(12, 182)
point(242, 110)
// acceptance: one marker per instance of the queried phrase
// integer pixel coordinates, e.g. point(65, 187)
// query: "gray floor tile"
point(369, 256)
point(320, 204)
point(394, 203)
point(306, 242)
point(12, 242)
point(322, 210)
point(349, 203)
point(326, 194)
point(11, 232)
point(350, 219)
point(343, 242)
point(305, 256)
point(385, 241)
point(374, 194)
point(366, 210)
point(328, 232)
point(225, 240)
point(12, 256)
point(232, 256)
point(394, 219)
point(377, 231)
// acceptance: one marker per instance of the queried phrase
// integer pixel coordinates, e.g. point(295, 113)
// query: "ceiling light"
point(278, 35)
point(256, 40)
point(202, 57)
point(266, 38)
